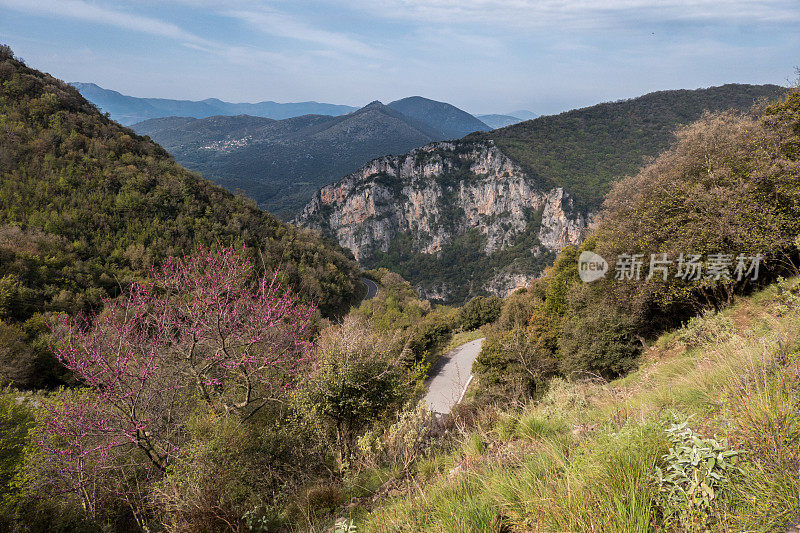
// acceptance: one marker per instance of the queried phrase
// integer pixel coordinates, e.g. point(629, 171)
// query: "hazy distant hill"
point(129, 109)
point(446, 121)
point(498, 121)
point(282, 163)
point(523, 114)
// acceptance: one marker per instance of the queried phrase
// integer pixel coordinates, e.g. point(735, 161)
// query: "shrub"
point(596, 337)
point(403, 443)
point(479, 311)
point(517, 310)
point(710, 327)
point(430, 335)
point(359, 378)
point(17, 358)
point(697, 469)
point(15, 425)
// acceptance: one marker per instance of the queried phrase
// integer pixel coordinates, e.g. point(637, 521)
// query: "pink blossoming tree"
point(206, 331)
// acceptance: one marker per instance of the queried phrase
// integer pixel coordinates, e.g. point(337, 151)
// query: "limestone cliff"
point(433, 198)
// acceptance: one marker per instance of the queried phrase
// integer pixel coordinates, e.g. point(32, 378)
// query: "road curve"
point(372, 288)
point(450, 377)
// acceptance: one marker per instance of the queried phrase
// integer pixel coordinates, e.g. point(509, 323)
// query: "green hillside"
point(87, 205)
point(587, 456)
point(585, 150)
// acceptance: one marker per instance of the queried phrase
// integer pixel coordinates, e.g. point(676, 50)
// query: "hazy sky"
point(482, 55)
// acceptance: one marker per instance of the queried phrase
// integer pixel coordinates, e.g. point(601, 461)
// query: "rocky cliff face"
point(437, 194)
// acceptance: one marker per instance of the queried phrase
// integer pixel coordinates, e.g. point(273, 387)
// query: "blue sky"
point(484, 56)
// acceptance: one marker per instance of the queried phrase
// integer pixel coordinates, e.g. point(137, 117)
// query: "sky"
point(484, 56)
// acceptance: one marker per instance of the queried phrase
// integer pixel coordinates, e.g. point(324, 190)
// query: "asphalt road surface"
point(451, 375)
point(372, 288)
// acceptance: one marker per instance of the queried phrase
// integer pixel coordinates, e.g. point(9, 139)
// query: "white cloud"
point(80, 10)
point(282, 25)
point(536, 14)
point(77, 9)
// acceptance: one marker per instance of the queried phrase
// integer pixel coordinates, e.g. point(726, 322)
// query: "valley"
point(309, 317)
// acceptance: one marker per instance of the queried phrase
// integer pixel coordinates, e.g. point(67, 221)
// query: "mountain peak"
point(449, 121)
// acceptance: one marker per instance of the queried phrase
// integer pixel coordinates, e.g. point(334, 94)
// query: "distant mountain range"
point(282, 163)
point(444, 120)
point(499, 121)
point(128, 110)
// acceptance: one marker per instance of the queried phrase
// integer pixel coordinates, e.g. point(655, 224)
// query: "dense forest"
point(87, 206)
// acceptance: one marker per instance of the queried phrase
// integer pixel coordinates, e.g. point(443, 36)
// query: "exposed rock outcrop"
point(438, 192)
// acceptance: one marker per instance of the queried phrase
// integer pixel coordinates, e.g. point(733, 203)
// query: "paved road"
point(372, 288)
point(451, 375)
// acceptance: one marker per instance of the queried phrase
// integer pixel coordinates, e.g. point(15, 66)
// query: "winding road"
point(372, 288)
point(451, 374)
point(450, 377)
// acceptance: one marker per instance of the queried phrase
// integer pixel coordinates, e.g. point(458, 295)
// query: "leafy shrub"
point(515, 364)
point(403, 443)
point(479, 311)
point(788, 297)
point(15, 424)
point(697, 469)
point(596, 337)
point(710, 327)
point(359, 379)
point(517, 310)
point(431, 334)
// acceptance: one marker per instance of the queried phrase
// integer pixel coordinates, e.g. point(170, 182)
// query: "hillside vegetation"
point(587, 455)
point(661, 404)
point(585, 150)
point(87, 206)
point(205, 394)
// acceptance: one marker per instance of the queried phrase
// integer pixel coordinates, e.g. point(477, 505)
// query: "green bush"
point(697, 469)
point(359, 379)
point(479, 311)
point(596, 338)
point(16, 422)
point(710, 327)
point(513, 364)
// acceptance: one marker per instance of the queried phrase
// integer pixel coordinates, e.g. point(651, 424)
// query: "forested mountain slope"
point(585, 150)
point(87, 205)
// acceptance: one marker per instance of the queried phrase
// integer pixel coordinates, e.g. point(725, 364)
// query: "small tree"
point(207, 329)
point(359, 378)
point(479, 311)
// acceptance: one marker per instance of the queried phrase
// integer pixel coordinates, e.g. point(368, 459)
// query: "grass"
point(583, 458)
point(462, 337)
